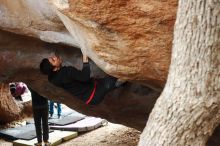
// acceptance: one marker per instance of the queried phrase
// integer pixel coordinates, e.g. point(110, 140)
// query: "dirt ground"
point(109, 135)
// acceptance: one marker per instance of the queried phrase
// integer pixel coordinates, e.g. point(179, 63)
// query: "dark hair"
point(46, 67)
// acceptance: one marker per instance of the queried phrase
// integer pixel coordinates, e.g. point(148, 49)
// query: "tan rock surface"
point(130, 39)
point(127, 39)
point(34, 18)
point(19, 60)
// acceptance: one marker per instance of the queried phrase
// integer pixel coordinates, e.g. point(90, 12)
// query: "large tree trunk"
point(187, 111)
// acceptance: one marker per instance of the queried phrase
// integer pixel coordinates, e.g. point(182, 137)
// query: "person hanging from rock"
point(78, 82)
point(39, 107)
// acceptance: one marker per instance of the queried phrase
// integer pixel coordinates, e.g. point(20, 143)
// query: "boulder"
point(20, 57)
point(34, 18)
point(127, 39)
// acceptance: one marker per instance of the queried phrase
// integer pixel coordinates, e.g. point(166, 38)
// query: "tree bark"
point(188, 109)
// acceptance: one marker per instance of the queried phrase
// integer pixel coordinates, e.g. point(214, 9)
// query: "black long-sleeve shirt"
point(77, 82)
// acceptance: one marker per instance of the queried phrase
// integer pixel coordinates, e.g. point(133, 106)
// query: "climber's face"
point(56, 61)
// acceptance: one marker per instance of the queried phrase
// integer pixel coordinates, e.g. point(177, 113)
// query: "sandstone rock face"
point(127, 39)
point(19, 60)
point(130, 39)
point(34, 18)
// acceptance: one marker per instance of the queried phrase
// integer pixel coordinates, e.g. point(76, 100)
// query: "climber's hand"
point(85, 59)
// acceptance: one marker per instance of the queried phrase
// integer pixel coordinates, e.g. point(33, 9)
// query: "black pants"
point(104, 85)
point(41, 114)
